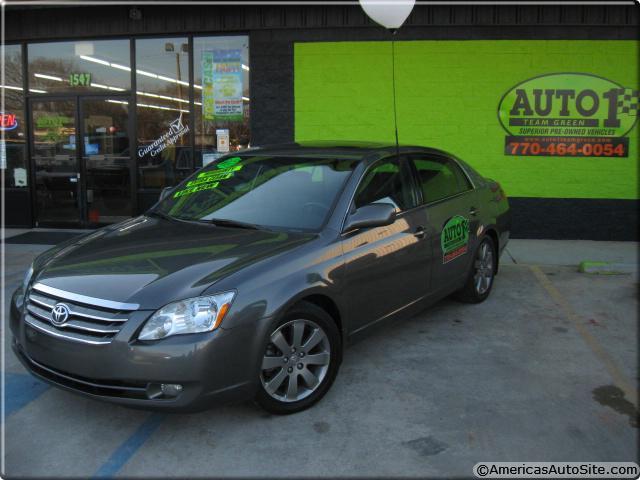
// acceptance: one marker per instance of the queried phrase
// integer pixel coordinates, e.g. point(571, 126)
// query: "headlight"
point(27, 278)
point(193, 315)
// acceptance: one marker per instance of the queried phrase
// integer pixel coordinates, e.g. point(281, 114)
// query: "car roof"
point(352, 149)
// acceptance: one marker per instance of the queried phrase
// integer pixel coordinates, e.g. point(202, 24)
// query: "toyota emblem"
point(59, 314)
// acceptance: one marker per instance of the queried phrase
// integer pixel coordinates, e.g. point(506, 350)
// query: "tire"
point(303, 347)
point(475, 290)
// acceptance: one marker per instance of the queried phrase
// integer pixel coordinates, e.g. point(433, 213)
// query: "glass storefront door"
point(81, 159)
point(106, 159)
point(57, 176)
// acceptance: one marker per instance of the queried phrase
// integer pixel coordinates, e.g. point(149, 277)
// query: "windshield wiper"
point(224, 222)
point(162, 215)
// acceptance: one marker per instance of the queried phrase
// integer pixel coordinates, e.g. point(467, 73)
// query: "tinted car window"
point(439, 178)
point(386, 182)
point(281, 192)
point(463, 180)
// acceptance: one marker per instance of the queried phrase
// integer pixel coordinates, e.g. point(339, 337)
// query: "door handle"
point(419, 232)
point(473, 211)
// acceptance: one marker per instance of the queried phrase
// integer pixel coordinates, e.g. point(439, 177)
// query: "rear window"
point(439, 178)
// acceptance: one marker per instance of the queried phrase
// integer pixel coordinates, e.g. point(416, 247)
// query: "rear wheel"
point(300, 361)
point(480, 279)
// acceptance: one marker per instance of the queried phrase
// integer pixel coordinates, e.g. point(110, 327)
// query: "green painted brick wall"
point(447, 97)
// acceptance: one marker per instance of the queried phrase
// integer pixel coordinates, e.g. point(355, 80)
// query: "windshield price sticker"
point(217, 174)
point(455, 238)
point(568, 114)
point(228, 163)
point(197, 187)
point(211, 178)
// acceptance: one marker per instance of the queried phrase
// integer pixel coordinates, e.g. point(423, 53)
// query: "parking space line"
point(19, 390)
point(609, 363)
point(129, 447)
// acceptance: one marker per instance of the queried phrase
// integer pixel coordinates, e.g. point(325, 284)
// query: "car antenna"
point(391, 14)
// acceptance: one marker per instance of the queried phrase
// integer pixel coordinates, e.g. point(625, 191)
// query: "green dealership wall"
point(447, 95)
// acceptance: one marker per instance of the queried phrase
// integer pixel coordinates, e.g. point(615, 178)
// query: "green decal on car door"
point(455, 238)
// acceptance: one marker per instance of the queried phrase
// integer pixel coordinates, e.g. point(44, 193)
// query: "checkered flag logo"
point(628, 101)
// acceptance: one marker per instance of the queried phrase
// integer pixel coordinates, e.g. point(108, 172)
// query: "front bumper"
point(213, 368)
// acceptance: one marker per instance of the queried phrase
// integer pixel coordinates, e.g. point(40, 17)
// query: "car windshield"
point(287, 192)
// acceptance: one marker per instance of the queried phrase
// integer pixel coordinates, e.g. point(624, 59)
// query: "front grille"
point(94, 387)
point(86, 323)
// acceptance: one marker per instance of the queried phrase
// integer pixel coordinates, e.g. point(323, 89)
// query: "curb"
point(607, 268)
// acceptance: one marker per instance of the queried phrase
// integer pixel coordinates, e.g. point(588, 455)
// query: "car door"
point(452, 212)
point(386, 268)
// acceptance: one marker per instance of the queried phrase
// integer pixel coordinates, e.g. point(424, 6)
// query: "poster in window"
point(222, 85)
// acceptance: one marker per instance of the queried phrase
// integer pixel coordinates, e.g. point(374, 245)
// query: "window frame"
point(140, 196)
point(131, 94)
point(439, 158)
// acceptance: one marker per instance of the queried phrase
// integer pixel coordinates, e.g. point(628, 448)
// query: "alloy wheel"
point(296, 360)
point(484, 269)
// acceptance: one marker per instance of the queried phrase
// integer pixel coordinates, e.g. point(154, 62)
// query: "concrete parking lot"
point(544, 370)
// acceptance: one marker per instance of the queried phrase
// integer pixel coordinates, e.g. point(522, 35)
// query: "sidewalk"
point(571, 252)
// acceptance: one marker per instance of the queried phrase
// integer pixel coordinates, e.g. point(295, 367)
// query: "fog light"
point(163, 390)
point(171, 389)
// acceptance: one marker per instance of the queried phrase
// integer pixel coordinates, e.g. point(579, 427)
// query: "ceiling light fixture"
point(95, 60)
point(47, 77)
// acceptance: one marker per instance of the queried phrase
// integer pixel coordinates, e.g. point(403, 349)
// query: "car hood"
point(151, 262)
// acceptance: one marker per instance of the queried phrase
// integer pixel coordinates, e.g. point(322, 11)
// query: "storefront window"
point(162, 98)
point(82, 67)
point(13, 142)
point(221, 70)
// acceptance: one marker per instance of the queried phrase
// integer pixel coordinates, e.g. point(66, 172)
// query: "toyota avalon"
point(248, 279)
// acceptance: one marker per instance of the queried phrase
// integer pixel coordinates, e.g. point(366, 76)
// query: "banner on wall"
point(568, 115)
point(222, 84)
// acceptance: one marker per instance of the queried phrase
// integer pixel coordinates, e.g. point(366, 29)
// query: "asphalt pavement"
point(544, 370)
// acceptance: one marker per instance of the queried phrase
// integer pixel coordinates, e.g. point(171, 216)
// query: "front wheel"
point(480, 279)
point(300, 361)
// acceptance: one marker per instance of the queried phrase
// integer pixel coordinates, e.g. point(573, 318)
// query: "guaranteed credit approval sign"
point(568, 114)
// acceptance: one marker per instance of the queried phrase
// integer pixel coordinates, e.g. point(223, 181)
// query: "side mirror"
point(372, 215)
point(166, 191)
